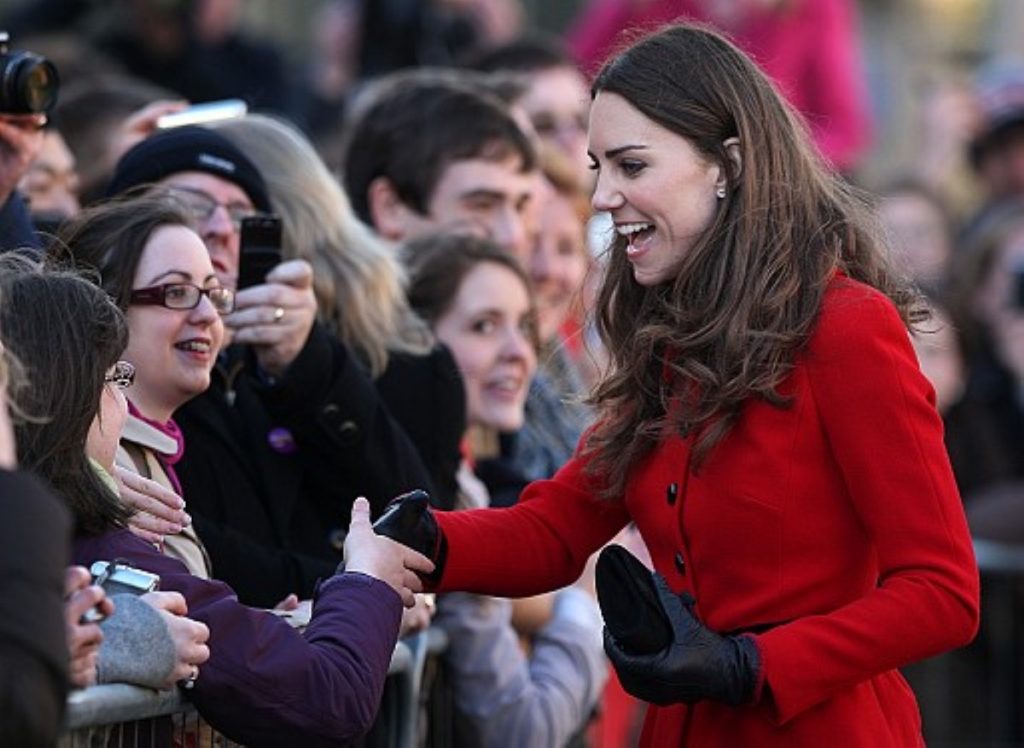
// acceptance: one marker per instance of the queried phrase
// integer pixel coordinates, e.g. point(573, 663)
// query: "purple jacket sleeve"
point(266, 684)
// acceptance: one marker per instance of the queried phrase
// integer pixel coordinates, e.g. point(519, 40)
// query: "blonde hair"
point(358, 280)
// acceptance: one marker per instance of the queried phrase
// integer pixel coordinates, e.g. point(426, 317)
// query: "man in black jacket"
point(291, 430)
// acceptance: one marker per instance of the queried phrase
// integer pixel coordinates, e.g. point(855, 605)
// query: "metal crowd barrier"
point(1002, 575)
point(981, 686)
point(119, 714)
point(974, 696)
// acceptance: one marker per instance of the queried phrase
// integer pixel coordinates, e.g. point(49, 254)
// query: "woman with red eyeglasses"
point(158, 271)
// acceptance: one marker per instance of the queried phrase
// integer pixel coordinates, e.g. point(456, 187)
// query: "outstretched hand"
point(382, 558)
point(409, 520)
point(140, 125)
point(698, 664)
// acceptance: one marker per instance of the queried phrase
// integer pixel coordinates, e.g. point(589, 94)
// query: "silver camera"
point(116, 577)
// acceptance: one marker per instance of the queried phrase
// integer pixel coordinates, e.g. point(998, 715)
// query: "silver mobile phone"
point(201, 114)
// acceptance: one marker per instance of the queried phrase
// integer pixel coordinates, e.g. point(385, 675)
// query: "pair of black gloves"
point(661, 652)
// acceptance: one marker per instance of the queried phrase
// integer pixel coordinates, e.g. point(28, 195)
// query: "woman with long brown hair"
point(763, 422)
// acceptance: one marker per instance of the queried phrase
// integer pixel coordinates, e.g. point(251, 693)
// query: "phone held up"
point(260, 249)
point(201, 114)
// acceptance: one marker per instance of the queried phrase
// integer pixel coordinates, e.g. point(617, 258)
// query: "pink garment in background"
point(810, 48)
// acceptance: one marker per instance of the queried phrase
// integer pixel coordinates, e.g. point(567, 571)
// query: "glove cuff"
point(433, 579)
point(746, 686)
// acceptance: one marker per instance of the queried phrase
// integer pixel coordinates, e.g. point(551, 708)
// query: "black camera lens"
point(28, 83)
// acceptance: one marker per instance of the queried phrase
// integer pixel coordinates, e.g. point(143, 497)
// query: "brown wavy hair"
point(744, 300)
point(67, 333)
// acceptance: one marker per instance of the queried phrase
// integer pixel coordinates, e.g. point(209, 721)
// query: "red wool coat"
point(832, 529)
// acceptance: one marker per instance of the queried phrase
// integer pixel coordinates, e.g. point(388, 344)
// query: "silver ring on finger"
point(278, 314)
point(191, 680)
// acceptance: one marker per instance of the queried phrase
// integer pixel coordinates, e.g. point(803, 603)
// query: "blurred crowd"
point(426, 327)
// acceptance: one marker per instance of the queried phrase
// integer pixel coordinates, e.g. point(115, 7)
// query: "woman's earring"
point(720, 192)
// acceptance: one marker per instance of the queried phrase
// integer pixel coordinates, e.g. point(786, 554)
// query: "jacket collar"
point(139, 432)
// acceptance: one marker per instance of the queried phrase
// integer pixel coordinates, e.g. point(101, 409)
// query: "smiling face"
point(659, 190)
point(494, 196)
point(173, 350)
point(487, 329)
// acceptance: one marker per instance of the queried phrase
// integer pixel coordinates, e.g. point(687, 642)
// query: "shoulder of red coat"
point(851, 309)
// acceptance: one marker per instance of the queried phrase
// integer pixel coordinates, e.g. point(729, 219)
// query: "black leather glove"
point(632, 611)
point(410, 521)
point(698, 664)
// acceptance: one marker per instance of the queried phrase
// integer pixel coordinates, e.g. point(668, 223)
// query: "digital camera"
point(116, 577)
point(28, 82)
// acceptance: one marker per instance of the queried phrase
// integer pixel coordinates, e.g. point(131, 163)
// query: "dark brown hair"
point(745, 298)
point(110, 237)
point(66, 333)
point(414, 125)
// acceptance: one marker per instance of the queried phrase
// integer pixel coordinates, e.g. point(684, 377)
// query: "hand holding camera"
point(83, 636)
point(28, 89)
point(28, 82)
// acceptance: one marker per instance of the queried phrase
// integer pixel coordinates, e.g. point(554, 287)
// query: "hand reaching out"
point(382, 558)
point(83, 638)
point(140, 125)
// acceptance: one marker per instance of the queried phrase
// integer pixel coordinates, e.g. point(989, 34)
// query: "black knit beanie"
point(190, 148)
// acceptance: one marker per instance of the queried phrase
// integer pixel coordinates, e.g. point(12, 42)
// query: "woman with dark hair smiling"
point(476, 298)
point(265, 683)
point(156, 269)
point(763, 421)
